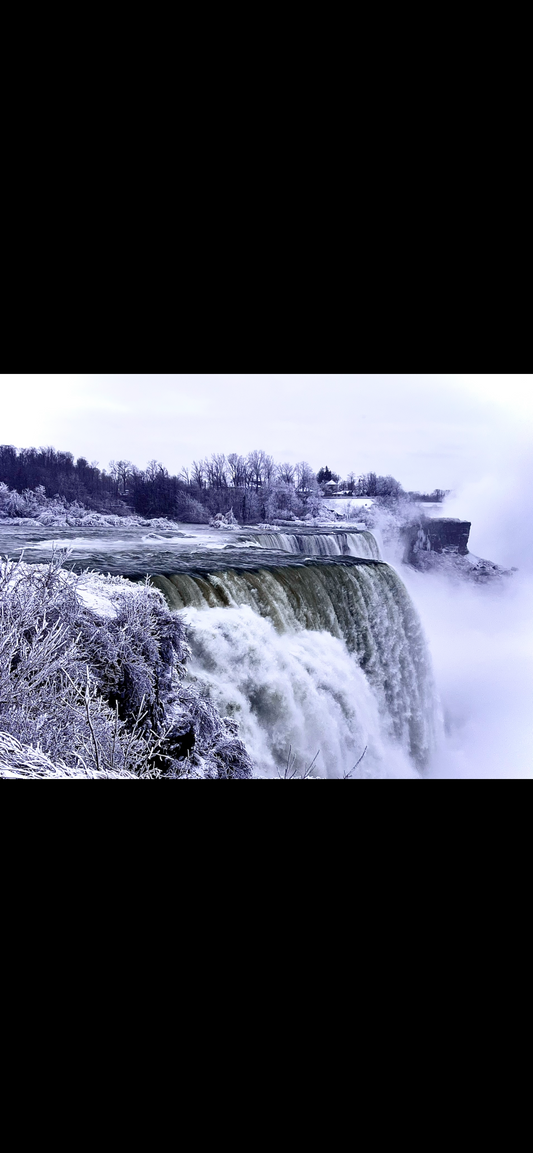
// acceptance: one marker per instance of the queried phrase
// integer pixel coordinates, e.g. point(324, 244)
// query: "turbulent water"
point(328, 656)
point(308, 639)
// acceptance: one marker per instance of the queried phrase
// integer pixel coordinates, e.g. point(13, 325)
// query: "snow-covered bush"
point(224, 520)
point(90, 682)
point(13, 503)
point(84, 689)
point(190, 511)
point(282, 502)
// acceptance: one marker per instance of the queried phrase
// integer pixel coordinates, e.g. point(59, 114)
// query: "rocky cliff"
point(441, 545)
point(443, 535)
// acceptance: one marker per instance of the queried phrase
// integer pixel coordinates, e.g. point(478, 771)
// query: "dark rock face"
point(442, 535)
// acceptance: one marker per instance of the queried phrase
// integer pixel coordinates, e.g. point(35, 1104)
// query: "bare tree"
point(237, 470)
point(155, 469)
point(269, 469)
point(218, 470)
point(121, 470)
point(286, 472)
point(255, 462)
point(198, 473)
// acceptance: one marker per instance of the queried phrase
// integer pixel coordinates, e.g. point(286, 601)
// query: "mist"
point(481, 636)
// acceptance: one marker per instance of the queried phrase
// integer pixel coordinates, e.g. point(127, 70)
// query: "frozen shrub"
point(224, 520)
point(90, 672)
point(85, 690)
point(190, 511)
point(282, 502)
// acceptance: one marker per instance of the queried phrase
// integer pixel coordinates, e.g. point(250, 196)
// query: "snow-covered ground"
point(343, 504)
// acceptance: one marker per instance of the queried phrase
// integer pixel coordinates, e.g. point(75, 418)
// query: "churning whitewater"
point(325, 656)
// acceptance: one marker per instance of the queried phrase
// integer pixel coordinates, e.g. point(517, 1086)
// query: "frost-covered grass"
point(22, 762)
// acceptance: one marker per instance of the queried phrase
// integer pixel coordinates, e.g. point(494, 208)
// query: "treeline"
point(254, 486)
point(59, 475)
point(372, 485)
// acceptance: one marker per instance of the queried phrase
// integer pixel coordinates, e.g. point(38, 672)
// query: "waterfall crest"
point(280, 615)
point(359, 544)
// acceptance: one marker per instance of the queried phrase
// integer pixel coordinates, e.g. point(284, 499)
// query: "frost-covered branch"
point(91, 674)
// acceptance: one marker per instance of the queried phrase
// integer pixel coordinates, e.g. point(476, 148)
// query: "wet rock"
point(443, 535)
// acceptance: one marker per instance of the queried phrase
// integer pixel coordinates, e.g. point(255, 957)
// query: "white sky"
point(426, 429)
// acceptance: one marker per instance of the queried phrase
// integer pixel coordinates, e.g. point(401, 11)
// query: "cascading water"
point(361, 544)
point(327, 656)
point(304, 636)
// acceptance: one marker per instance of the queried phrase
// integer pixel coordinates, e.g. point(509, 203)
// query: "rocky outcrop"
point(442, 546)
point(443, 535)
point(469, 568)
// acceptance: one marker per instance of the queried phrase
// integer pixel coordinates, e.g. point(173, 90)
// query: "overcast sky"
point(428, 430)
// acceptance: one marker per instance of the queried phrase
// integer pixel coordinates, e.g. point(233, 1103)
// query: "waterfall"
point(328, 656)
point(360, 544)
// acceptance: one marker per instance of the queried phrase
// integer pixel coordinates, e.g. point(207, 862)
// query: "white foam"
point(302, 690)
